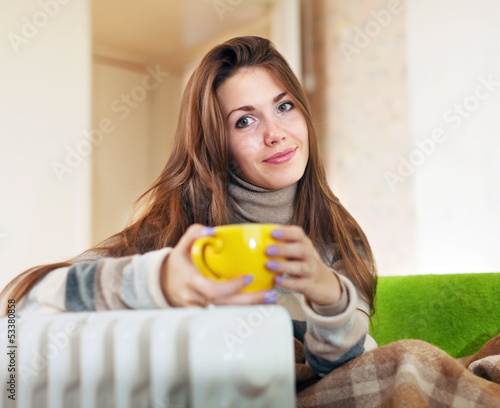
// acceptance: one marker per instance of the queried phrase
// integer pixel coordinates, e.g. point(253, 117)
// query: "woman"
point(245, 151)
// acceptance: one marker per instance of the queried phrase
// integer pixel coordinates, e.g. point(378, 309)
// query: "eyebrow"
point(248, 108)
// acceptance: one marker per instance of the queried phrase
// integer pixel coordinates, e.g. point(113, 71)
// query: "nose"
point(273, 133)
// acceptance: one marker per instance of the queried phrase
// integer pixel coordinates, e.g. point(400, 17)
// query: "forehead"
point(249, 86)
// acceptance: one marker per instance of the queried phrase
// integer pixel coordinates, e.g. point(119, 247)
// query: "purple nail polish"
point(277, 233)
point(248, 279)
point(207, 231)
point(271, 250)
point(278, 279)
point(273, 265)
point(270, 297)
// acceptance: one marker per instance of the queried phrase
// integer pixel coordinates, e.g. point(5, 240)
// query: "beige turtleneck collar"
point(251, 203)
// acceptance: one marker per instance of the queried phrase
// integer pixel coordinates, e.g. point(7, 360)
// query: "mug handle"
point(198, 254)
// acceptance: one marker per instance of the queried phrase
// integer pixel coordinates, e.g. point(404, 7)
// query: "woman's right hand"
point(184, 285)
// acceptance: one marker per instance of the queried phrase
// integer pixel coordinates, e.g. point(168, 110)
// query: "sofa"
point(455, 312)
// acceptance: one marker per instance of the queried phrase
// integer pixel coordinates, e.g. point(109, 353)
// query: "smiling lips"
point(282, 157)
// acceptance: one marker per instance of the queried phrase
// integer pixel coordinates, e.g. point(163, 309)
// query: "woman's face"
point(268, 136)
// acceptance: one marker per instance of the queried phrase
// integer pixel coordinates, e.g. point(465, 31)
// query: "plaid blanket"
point(406, 373)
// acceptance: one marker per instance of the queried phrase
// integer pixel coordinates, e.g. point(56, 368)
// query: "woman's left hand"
point(305, 270)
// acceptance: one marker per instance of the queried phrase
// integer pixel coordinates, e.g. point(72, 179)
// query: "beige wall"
point(360, 101)
point(454, 82)
point(409, 138)
point(44, 111)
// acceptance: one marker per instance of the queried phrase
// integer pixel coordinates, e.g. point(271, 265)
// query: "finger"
point(217, 289)
point(295, 250)
point(191, 297)
point(295, 269)
point(289, 282)
point(288, 233)
point(250, 298)
point(198, 298)
point(194, 232)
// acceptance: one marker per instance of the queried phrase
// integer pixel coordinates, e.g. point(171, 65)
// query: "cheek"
point(304, 137)
point(235, 150)
point(304, 132)
point(297, 126)
point(239, 155)
point(244, 148)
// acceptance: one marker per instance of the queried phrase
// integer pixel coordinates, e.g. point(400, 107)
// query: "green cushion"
point(457, 313)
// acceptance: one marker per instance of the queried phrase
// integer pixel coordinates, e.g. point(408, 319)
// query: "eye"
point(285, 106)
point(244, 122)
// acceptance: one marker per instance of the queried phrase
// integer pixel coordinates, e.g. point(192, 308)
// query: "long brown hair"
point(192, 187)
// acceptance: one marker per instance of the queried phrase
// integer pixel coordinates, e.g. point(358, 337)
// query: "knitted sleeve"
point(131, 282)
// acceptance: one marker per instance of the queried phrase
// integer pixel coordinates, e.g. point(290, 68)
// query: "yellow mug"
point(235, 250)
